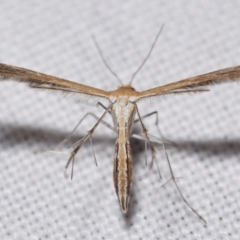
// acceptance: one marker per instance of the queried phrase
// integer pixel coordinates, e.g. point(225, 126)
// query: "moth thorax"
point(123, 101)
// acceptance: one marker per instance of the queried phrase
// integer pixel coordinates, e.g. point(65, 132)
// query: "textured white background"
point(54, 37)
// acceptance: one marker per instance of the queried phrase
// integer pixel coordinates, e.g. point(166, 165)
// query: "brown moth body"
point(123, 113)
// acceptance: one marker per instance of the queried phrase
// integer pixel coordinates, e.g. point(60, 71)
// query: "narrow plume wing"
point(43, 81)
point(194, 83)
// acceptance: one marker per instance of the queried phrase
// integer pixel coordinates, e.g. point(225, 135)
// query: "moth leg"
point(75, 128)
point(136, 136)
point(104, 107)
point(169, 164)
point(178, 188)
point(156, 124)
point(152, 138)
point(173, 178)
point(153, 151)
point(160, 140)
point(81, 120)
point(85, 138)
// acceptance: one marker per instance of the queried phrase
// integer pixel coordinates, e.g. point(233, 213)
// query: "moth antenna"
point(104, 60)
point(148, 55)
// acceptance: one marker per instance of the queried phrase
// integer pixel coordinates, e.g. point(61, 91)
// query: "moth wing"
point(47, 82)
point(194, 84)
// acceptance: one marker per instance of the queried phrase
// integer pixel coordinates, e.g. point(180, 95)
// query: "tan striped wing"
point(194, 84)
point(43, 81)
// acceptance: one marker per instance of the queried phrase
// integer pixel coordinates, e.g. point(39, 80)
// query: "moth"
point(123, 108)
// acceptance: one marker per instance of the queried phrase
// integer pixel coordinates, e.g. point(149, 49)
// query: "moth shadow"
point(45, 138)
point(21, 134)
point(223, 148)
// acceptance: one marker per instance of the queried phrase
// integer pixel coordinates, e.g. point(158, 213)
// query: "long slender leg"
point(168, 160)
point(81, 120)
point(94, 116)
point(171, 171)
point(178, 188)
point(104, 107)
point(152, 138)
point(83, 140)
point(149, 142)
point(76, 144)
point(156, 124)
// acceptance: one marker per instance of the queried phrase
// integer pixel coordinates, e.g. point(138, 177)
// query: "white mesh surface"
point(54, 37)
